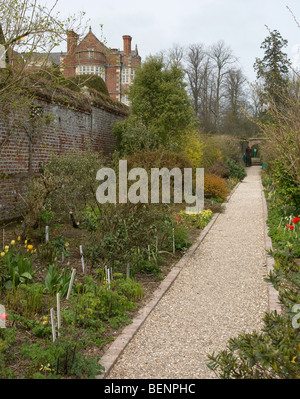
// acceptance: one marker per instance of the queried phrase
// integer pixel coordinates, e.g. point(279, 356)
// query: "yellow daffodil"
point(6, 247)
point(13, 242)
point(2, 254)
point(19, 238)
point(26, 241)
point(30, 247)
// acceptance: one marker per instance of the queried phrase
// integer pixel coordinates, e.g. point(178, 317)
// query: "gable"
point(91, 41)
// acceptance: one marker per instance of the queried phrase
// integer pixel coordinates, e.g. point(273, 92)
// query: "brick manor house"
point(90, 56)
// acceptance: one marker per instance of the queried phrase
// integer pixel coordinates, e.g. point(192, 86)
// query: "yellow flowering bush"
point(200, 220)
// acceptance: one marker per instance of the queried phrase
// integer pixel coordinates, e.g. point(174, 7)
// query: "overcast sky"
point(157, 25)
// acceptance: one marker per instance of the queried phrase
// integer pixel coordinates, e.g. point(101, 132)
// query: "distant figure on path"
point(248, 156)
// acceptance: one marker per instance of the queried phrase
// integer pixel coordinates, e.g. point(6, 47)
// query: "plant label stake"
point(82, 258)
point(3, 238)
point(52, 324)
point(156, 245)
point(58, 314)
point(173, 241)
point(149, 252)
point(71, 283)
point(128, 270)
point(111, 274)
point(63, 255)
point(108, 278)
point(47, 233)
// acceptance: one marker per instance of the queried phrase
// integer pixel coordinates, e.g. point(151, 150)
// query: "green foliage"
point(133, 136)
point(124, 233)
point(19, 267)
point(92, 81)
point(26, 300)
point(272, 354)
point(160, 104)
point(57, 280)
point(181, 238)
point(235, 170)
point(61, 358)
point(273, 68)
point(97, 304)
point(73, 178)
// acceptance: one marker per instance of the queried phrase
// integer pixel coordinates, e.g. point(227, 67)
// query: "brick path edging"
point(274, 303)
point(117, 347)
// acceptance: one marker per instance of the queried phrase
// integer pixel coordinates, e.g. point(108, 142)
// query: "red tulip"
point(292, 227)
point(288, 225)
point(296, 220)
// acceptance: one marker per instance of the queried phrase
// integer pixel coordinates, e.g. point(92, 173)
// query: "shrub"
point(92, 81)
point(194, 148)
point(236, 170)
point(214, 187)
point(159, 159)
point(230, 147)
point(133, 136)
point(211, 152)
point(219, 168)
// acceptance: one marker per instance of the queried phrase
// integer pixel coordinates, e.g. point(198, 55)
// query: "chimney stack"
point(72, 42)
point(127, 44)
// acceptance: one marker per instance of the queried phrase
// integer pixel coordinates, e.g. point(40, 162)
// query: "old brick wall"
point(68, 128)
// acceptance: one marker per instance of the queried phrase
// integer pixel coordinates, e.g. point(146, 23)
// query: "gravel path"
point(218, 294)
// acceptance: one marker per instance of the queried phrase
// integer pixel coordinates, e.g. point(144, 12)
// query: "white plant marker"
point(108, 278)
point(53, 324)
point(149, 252)
point(105, 269)
point(128, 270)
point(47, 234)
point(173, 241)
point(58, 314)
point(71, 283)
point(156, 245)
point(82, 258)
point(280, 222)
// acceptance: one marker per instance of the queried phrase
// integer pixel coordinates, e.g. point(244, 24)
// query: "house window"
point(125, 99)
point(91, 70)
point(91, 53)
point(125, 75)
point(128, 75)
point(132, 75)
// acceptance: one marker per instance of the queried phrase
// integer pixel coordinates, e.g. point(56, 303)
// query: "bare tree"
point(195, 65)
point(26, 28)
point(221, 57)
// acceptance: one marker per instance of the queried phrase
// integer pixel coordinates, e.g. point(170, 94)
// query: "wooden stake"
point(128, 270)
point(71, 283)
point(82, 258)
point(58, 314)
point(108, 278)
point(53, 324)
point(173, 241)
